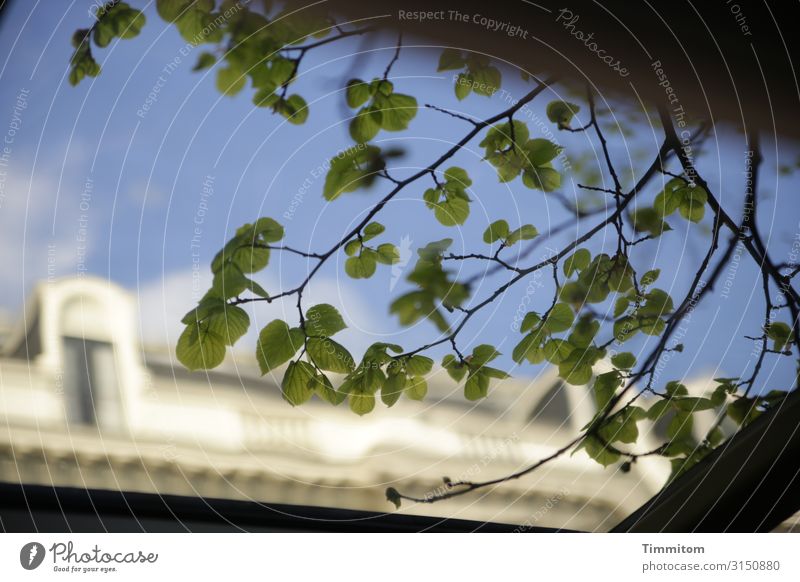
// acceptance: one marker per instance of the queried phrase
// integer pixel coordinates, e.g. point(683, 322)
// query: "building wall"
point(228, 433)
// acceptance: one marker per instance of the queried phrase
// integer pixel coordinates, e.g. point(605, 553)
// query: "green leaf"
point(477, 386)
point(372, 230)
point(584, 332)
point(230, 324)
point(330, 356)
point(674, 388)
point(419, 365)
point(458, 176)
point(352, 247)
point(352, 169)
point(659, 409)
point(170, 10)
point(452, 211)
point(624, 361)
point(294, 109)
point(598, 451)
point(658, 304)
point(450, 59)
point(230, 81)
point(416, 388)
point(576, 373)
point(524, 232)
point(693, 202)
point(649, 220)
point(204, 61)
point(605, 386)
point(542, 178)
point(486, 80)
point(561, 112)
point(482, 354)
point(463, 86)
point(680, 426)
point(324, 320)
point(392, 388)
point(669, 199)
point(324, 389)
point(298, 383)
point(577, 262)
point(365, 125)
point(276, 345)
point(387, 254)
point(495, 231)
point(397, 111)
point(559, 319)
point(455, 369)
point(199, 348)
point(540, 151)
point(781, 335)
point(357, 93)
point(530, 320)
point(392, 496)
point(650, 277)
point(556, 351)
point(529, 349)
point(361, 267)
point(362, 402)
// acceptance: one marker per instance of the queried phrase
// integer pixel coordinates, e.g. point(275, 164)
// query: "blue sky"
point(83, 162)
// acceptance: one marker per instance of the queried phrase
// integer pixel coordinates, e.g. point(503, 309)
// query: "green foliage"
point(386, 109)
point(277, 344)
point(474, 366)
point(435, 289)
point(478, 74)
point(562, 112)
point(114, 20)
point(575, 356)
point(354, 168)
point(509, 149)
point(363, 259)
point(262, 48)
point(678, 194)
point(603, 275)
point(780, 334)
point(499, 231)
point(449, 200)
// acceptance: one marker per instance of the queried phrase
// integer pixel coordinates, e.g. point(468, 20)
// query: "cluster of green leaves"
point(781, 335)
point(478, 75)
point(354, 168)
point(509, 149)
point(449, 199)
point(363, 259)
point(596, 277)
point(475, 368)
point(386, 109)
point(500, 231)
point(647, 315)
point(745, 409)
point(435, 289)
point(114, 20)
point(393, 375)
point(562, 112)
point(678, 194)
point(255, 46)
point(214, 323)
point(575, 355)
